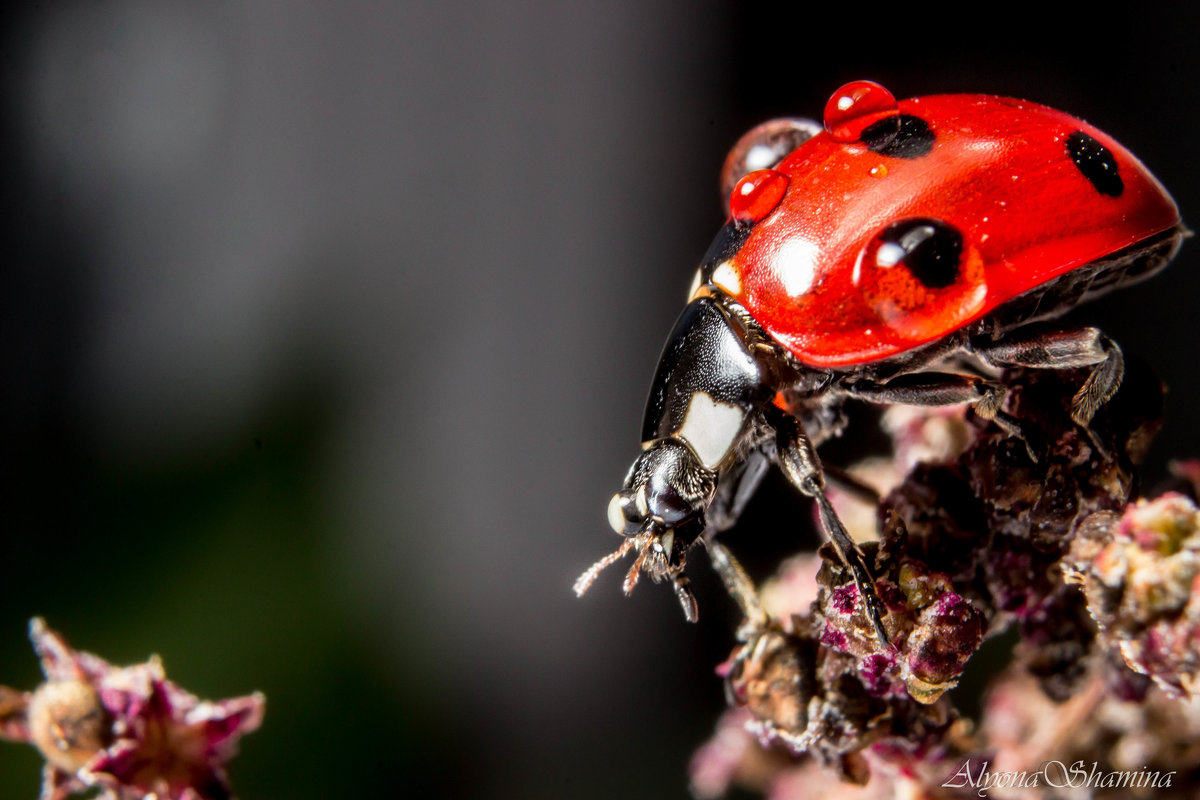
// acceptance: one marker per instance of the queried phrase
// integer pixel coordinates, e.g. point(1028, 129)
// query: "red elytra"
point(998, 171)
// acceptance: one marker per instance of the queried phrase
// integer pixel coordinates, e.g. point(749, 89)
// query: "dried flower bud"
point(1141, 577)
point(773, 676)
point(68, 723)
point(947, 634)
point(935, 630)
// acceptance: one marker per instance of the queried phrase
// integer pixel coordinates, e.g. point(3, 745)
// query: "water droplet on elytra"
point(857, 106)
point(763, 147)
point(756, 195)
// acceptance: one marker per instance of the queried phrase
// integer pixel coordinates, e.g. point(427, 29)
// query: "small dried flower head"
point(1141, 576)
point(772, 676)
point(127, 731)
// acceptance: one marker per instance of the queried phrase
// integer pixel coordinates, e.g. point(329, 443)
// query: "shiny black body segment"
point(703, 354)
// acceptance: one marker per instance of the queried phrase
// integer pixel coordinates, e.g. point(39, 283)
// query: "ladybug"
point(879, 256)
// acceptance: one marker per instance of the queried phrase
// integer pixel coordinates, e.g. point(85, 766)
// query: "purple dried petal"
point(120, 759)
point(59, 661)
point(874, 671)
point(13, 724)
point(844, 598)
point(832, 637)
point(228, 720)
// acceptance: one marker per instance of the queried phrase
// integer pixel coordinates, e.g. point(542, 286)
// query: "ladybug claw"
point(1033, 451)
point(687, 600)
point(1034, 446)
point(872, 605)
point(1097, 443)
point(852, 557)
point(877, 623)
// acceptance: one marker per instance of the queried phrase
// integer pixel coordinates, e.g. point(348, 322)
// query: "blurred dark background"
point(326, 330)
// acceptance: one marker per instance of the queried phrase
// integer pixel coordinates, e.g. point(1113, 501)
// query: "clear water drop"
point(856, 107)
point(756, 195)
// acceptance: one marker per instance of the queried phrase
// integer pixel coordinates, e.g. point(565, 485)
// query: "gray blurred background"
point(326, 330)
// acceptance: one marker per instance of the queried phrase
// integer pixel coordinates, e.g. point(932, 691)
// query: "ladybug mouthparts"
point(657, 557)
point(660, 512)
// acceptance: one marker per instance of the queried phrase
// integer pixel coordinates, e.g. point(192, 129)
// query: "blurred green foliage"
point(215, 562)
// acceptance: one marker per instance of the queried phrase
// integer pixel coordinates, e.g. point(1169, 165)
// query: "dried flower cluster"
point(1141, 576)
point(126, 731)
point(977, 538)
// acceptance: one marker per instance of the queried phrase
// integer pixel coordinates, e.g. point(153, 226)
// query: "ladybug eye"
point(763, 148)
point(918, 275)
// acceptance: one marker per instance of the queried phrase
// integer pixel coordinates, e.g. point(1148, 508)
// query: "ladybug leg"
point(737, 485)
point(856, 487)
point(945, 389)
point(739, 586)
point(799, 462)
point(1085, 347)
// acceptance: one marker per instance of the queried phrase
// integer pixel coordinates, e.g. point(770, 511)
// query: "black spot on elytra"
point(913, 140)
point(932, 249)
point(1096, 162)
point(729, 240)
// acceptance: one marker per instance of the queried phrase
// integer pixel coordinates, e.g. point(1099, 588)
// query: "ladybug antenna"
point(648, 541)
point(586, 580)
point(635, 571)
point(642, 538)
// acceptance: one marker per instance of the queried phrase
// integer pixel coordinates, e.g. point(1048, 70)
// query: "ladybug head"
point(666, 486)
point(660, 512)
point(700, 407)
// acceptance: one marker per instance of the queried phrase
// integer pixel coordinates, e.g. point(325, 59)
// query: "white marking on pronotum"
point(727, 278)
point(710, 427)
point(695, 287)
